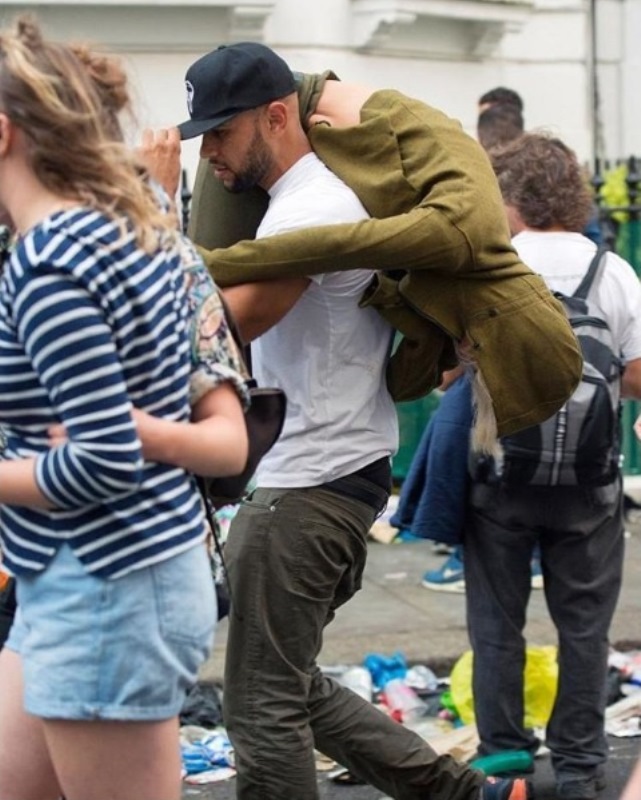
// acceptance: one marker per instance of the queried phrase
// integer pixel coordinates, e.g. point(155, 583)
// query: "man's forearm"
point(257, 307)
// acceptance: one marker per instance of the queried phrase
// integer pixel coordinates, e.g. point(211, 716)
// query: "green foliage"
point(614, 192)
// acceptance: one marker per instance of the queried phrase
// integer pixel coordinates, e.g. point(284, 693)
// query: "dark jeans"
point(580, 532)
point(294, 556)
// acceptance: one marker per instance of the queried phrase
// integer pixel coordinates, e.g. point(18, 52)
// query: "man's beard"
point(258, 163)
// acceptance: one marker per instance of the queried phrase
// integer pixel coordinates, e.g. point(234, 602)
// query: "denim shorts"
point(123, 649)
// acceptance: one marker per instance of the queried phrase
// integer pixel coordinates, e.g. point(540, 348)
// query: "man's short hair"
point(501, 95)
point(542, 179)
point(498, 125)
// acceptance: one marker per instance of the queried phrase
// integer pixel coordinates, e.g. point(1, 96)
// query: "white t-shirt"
point(562, 259)
point(327, 354)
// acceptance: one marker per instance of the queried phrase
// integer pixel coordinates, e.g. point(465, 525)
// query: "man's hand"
point(160, 153)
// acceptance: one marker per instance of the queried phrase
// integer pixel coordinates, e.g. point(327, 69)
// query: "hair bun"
point(28, 32)
point(107, 76)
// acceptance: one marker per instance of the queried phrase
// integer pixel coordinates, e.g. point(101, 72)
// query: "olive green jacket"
point(437, 213)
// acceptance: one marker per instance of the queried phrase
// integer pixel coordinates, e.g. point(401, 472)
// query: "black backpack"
point(580, 445)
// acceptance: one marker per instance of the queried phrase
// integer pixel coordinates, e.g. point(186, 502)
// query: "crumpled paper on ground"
point(623, 718)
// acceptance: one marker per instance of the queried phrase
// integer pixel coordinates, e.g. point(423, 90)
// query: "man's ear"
point(277, 114)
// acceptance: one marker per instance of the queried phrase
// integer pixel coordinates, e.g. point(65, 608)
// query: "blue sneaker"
point(406, 535)
point(506, 789)
point(449, 578)
point(442, 549)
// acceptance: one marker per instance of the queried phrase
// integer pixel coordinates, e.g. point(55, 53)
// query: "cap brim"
point(196, 127)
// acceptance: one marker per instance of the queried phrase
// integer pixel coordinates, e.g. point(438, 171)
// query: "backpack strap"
point(588, 279)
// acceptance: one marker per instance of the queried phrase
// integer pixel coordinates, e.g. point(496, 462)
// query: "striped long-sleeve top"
point(89, 326)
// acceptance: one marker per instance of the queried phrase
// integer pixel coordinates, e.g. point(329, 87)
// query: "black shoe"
point(581, 788)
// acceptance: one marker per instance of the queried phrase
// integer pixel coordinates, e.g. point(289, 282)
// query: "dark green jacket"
point(437, 213)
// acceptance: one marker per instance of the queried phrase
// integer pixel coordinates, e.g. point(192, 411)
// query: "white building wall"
point(446, 52)
point(611, 23)
point(630, 116)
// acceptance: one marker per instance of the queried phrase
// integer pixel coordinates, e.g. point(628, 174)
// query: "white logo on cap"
point(190, 96)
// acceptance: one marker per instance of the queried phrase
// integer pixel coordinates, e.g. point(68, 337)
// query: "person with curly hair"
point(577, 519)
point(554, 198)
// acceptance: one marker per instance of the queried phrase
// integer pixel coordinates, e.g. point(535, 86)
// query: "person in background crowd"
point(429, 505)
point(432, 498)
point(573, 512)
point(500, 117)
point(632, 790)
point(500, 96)
point(500, 121)
point(499, 124)
point(106, 547)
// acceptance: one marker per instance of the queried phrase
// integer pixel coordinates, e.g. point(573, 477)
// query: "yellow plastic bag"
point(541, 678)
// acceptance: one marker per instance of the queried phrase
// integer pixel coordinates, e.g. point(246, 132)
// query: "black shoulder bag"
point(264, 419)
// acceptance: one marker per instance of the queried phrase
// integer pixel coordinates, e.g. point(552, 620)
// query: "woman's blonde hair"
point(66, 100)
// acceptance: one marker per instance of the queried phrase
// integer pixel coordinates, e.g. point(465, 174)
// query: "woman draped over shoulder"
point(102, 310)
point(448, 278)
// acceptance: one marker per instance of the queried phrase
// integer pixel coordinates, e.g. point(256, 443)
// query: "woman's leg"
point(100, 760)
point(26, 772)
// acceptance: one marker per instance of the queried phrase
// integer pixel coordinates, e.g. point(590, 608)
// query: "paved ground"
point(622, 757)
point(393, 612)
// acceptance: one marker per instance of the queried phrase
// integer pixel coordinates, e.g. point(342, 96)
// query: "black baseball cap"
point(231, 79)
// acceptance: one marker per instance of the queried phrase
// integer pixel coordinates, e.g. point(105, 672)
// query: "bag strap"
point(245, 351)
point(588, 279)
point(242, 346)
point(217, 545)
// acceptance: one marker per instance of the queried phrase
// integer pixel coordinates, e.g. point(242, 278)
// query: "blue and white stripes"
point(89, 325)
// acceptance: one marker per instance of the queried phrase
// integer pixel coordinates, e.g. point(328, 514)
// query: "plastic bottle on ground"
point(421, 679)
point(359, 680)
point(403, 702)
